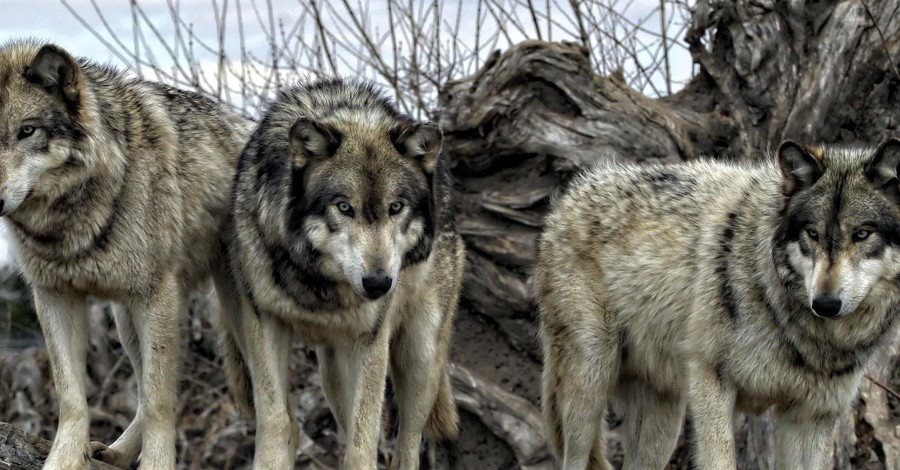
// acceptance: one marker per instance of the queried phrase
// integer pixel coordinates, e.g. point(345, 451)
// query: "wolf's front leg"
point(267, 342)
point(418, 364)
point(63, 319)
point(156, 321)
point(712, 407)
point(804, 442)
point(370, 360)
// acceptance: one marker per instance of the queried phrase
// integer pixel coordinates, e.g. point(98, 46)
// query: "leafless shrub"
point(411, 46)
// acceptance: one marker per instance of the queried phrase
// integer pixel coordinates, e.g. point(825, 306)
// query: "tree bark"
point(812, 71)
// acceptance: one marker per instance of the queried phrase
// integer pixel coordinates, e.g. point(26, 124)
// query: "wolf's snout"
point(377, 285)
point(827, 306)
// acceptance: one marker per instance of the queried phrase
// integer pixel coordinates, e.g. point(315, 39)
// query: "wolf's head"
point(363, 196)
point(42, 91)
point(841, 224)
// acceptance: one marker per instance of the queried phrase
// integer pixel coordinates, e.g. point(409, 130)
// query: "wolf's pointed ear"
point(311, 140)
point(421, 140)
point(801, 169)
point(882, 169)
point(58, 73)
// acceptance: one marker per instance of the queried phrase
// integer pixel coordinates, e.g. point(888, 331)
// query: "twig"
point(883, 386)
point(534, 20)
point(112, 49)
point(881, 35)
point(665, 46)
point(427, 44)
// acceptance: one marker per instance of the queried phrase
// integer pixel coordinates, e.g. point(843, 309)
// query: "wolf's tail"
point(228, 324)
point(552, 417)
point(443, 422)
point(237, 374)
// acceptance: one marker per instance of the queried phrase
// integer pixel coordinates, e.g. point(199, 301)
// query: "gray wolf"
point(343, 235)
point(721, 287)
point(117, 189)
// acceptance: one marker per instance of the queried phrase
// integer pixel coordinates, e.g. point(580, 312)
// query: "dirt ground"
point(477, 346)
point(211, 435)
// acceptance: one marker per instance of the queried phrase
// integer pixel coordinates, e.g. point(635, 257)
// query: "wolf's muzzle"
point(377, 285)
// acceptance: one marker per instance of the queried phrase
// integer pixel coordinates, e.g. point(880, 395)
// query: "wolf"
point(720, 288)
point(117, 189)
point(342, 234)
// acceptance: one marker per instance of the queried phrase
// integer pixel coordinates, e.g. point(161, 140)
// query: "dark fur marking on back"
point(726, 292)
point(671, 185)
point(661, 178)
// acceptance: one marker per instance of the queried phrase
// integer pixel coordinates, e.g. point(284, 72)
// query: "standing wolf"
point(729, 287)
point(343, 235)
point(114, 188)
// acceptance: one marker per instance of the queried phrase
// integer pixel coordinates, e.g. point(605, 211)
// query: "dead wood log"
point(22, 451)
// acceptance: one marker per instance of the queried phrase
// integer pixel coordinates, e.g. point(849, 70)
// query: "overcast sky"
point(50, 20)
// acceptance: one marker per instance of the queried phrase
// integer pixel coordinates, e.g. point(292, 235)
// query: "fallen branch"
point(508, 416)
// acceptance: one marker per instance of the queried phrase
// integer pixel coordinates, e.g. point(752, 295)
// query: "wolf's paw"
point(56, 462)
point(101, 451)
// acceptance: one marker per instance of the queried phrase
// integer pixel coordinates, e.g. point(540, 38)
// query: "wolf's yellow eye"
point(812, 233)
point(861, 235)
point(26, 131)
point(345, 208)
point(395, 208)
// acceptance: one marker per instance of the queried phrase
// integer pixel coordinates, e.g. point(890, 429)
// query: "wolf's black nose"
point(827, 306)
point(1, 206)
point(377, 285)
